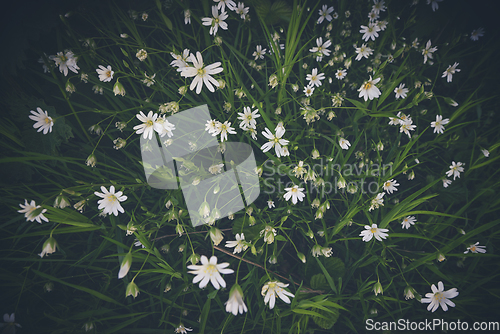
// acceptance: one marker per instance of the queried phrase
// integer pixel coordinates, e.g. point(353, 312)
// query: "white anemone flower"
point(475, 248)
point(275, 140)
point(439, 297)
point(408, 221)
point(110, 201)
point(368, 90)
point(248, 118)
point(210, 271)
point(438, 125)
point(216, 21)
point(315, 78)
point(29, 211)
point(43, 120)
point(201, 74)
point(455, 169)
point(295, 193)
point(105, 74)
point(344, 143)
point(373, 231)
point(239, 245)
point(274, 288)
point(148, 124)
point(401, 91)
point(390, 186)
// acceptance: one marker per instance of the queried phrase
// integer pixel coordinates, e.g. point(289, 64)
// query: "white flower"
point(118, 89)
point(475, 248)
point(428, 50)
point(308, 90)
point(324, 13)
point(452, 69)
point(295, 193)
point(438, 124)
point(270, 203)
point(273, 288)
point(201, 74)
point(259, 52)
point(241, 10)
point(183, 330)
point(408, 221)
point(105, 74)
point(9, 321)
point(446, 183)
point(181, 59)
point(390, 186)
point(435, 6)
point(110, 202)
point(344, 143)
point(401, 91)
point(163, 126)
point(149, 81)
point(455, 169)
point(235, 302)
point(340, 74)
point(368, 90)
point(224, 129)
point(377, 201)
point(248, 118)
point(31, 212)
point(475, 34)
point(485, 152)
point(148, 124)
point(321, 49)
point(363, 51)
point(49, 247)
point(269, 233)
point(43, 120)
point(275, 141)
point(217, 20)
point(439, 297)
point(373, 231)
point(239, 245)
point(406, 128)
point(223, 3)
point(314, 78)
point(66, 61)
point(378, 6)
point(210, 271)
point(141, 54)
point(370, 31)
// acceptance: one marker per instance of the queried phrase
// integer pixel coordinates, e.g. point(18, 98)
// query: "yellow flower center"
point(108, 74)
point(373, 230)
point(216, 20)
point(210, 269)
point(249, 117)
point(149, 123)
point(473, 248)
point(367, 85)
point(201, 72)
point(112, 198)
point(388, 184)
point(276, 140)
point(48, 120)
point(439, 296)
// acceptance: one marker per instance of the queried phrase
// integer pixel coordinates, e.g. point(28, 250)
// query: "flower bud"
point(61, 202)
point(204, 210)
point(125, 265)
point(216, 235)
point(132, 290)
point(118, 88)
point(49, 247)
point(377, 288)
point(302, 257)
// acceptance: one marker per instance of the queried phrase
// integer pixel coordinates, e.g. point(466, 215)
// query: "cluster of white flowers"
point(405, 122)
point(151, 123)
point(215, 128)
